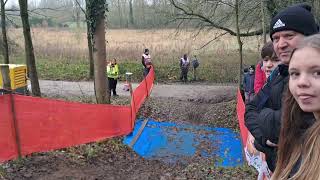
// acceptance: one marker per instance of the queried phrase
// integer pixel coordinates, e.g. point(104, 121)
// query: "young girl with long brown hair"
point(299, 145)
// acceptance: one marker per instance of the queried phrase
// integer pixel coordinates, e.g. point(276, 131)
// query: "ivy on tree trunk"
point(96, 20)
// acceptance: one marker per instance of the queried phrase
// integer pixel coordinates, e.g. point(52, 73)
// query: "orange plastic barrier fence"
point(256, 160)
point(46, 124)
point(139, 94)
point(240, 113)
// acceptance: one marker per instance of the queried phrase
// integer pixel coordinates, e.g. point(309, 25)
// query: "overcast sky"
point(11, 2)
point(15, 2)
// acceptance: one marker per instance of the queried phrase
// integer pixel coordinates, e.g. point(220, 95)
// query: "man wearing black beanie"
point(291, 25)
point(263, 113)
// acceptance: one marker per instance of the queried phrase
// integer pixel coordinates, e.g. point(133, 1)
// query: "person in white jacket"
point(184, 66)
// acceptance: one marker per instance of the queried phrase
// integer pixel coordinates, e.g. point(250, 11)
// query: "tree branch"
point(204, 19)
point(51, 9)
point(12, 10)
point(217, 37)
point(10, 20)
point(84, 11)
point(8, 14)
point(40, 14)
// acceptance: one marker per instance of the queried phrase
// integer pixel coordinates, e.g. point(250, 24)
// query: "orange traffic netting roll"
point(45, 124)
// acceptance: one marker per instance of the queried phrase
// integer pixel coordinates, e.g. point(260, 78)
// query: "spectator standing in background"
point(195, 65)
point(184, 67)
point(266, 66)
point(113, 74)
point(146, 62)
point(248, 84)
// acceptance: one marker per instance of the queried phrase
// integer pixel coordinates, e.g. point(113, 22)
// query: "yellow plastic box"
point(18, 76)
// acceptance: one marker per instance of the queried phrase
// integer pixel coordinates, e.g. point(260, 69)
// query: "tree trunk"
point(76, 11)
point(90, 48)
point(272, 8)
point(120, 14)
point(99, 63)
point(143, 23)
point(31, 65)
point(239, 41)
point(78, 17)
point(131, 13)
point(316, 10)
point(89, 39)
point(4, 33)
point(263, 19)
point(96, 15)
point(155, 17)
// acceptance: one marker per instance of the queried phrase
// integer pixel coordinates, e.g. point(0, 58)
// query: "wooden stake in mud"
point(136, 137)
point(132, 103)
point(145, 80)
point(7, 86)
point(128, 79)
point(145, 122)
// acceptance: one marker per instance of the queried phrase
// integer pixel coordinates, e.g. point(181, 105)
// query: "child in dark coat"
point(248, 84)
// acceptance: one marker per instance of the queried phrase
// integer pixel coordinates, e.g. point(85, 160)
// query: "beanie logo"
point(278, 24)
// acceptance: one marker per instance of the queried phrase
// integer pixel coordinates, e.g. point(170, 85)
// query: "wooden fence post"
point(147, 87)
point(132, 105)
point(5, 72)
point(128, 79)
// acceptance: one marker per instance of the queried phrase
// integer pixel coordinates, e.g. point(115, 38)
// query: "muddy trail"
point(209, 105)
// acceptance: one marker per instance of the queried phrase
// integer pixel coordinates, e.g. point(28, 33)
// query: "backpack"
point(195, 63)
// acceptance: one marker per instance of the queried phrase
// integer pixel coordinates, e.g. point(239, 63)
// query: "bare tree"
point(4, 32)
point(31, 64)
point(77, 8)
point(96, 14)
point(90, 47)
point(131, 13)
point(263, 21)
point(216, 14)
point(90, 51)
point(77, 14)
point(239, 40)
point(89, 38)
point(119, 13)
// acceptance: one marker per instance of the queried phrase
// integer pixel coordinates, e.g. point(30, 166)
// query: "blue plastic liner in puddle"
point(172, 142)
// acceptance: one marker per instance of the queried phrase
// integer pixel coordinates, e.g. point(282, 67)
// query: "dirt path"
point(199, 92)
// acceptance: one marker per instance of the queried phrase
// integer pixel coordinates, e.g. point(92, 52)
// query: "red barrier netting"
point(240, 113)
point(149, 80)
point(8, 148)
point(143, 90)
point(255, 160)
point(46, 124)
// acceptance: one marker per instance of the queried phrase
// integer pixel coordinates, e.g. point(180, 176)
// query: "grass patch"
point(121, 100)
point(218, 69)
point(62, 54)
